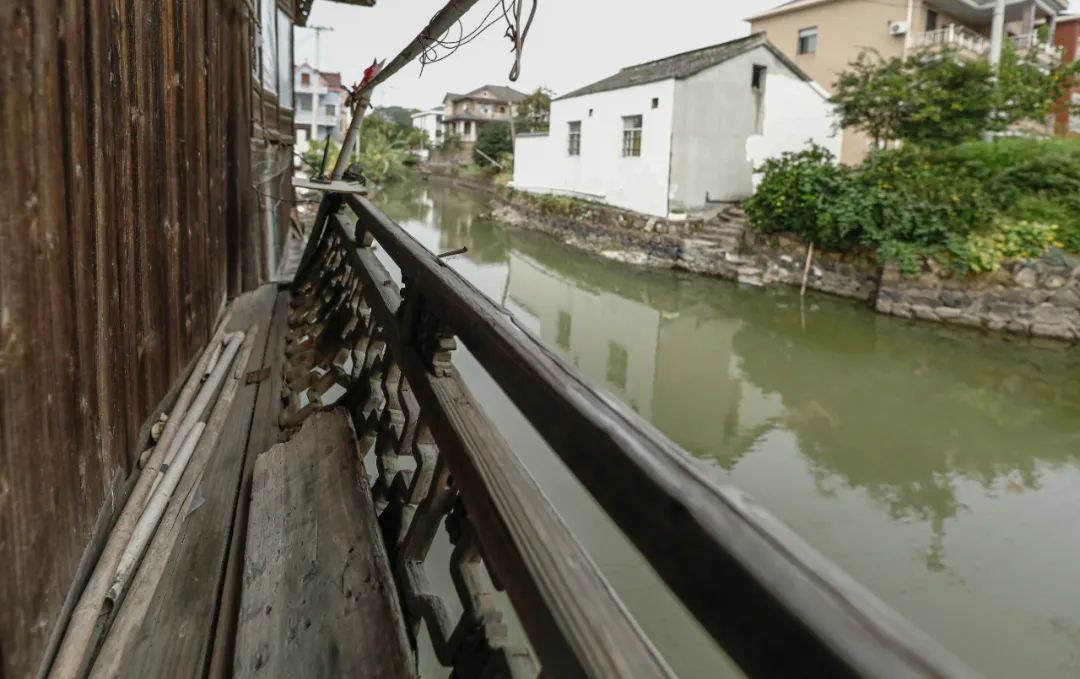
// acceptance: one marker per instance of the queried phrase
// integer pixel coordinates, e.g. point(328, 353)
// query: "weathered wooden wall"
point(127, 217)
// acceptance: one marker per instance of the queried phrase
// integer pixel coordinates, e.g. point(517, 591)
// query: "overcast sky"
point(571, 42)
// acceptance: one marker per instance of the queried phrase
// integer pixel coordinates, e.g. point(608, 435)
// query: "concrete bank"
point(1040, 298)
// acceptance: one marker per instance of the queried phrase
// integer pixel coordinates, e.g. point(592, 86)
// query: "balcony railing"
point(957, 37)
point(1045, 52)
point(776, 606)
point(971, 43)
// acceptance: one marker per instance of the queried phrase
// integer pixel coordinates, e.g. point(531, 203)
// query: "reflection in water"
point(939, 467)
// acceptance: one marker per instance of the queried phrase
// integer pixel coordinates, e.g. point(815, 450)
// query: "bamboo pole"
point(194, 413)
point(806, 269)
point(113, 628)
point(147, 524)
point(443, 20)
point(72, 650)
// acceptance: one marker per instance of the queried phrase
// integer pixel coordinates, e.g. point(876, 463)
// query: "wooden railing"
point(774, 604)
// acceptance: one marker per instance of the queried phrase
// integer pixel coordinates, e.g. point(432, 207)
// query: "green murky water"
point(940, 468)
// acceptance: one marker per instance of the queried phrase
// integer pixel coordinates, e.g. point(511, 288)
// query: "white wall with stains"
point(543, 164)
point(700, 144)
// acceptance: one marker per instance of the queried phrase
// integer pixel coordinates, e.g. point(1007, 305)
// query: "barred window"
point(631, 136)
point(574, 139)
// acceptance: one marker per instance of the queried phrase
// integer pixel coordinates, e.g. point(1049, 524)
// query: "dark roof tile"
point(682, 65)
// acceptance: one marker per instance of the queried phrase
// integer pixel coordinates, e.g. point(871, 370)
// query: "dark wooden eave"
point(303, 8)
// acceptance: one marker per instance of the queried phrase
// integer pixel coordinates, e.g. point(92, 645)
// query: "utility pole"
point(997, 34)
point(315, 85)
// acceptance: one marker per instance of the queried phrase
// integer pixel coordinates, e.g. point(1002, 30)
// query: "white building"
point(319, 105)
point(675, 135)
point(430, 121)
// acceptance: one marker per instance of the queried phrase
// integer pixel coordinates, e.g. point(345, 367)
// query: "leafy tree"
point(494, 141)
point(398, 115)
point(534, 111)
point(938, 98)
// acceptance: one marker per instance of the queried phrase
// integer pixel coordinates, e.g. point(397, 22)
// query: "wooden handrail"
point(776, 605)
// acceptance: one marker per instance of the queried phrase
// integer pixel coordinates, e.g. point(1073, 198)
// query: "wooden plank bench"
point(318, 598)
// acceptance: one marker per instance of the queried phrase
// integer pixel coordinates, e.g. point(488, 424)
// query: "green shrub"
point(968, 207)
point(1010, 240)
point(793, 194)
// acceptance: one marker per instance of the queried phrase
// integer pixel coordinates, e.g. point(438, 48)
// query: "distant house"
point(430, 121)
point(677, 134)
point(319, 106)
point(465, 114)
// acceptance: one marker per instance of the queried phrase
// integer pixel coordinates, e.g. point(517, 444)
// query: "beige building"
point(465, 114)
point(823, 36)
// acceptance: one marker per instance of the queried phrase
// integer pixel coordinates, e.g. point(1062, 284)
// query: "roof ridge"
point(746, 38)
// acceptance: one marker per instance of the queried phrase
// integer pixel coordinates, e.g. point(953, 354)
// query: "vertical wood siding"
point(125, 214)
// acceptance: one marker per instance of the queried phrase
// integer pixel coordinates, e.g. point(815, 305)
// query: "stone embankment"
point(1040, 298)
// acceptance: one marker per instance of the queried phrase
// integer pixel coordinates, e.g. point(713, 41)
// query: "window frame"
point(631, 135)
point(757, 77)
point(810, 36)
point(573, 138)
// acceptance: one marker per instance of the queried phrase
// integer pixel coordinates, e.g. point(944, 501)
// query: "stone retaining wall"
point(1024, 298)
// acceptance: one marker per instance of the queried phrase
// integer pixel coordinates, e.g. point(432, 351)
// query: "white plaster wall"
point(427, 121)
point(796, 114)
point(543, 165)
point(718, 116)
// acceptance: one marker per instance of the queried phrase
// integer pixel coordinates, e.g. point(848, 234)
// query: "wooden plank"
point(264, 433)
point(318, 599)
point(165, 624)
point(711, 544)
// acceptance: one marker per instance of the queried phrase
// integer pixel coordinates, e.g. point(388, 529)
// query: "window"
point(631, 136)
point(808, 40)
point(655, 102)
point(931, 20)
point(331, 109)
point(757, 78)
point(502, 109)
point(303, 101)
point(1074, 119)
point(574, 139)
point(468, 127)
point(590, 113)
point(284, 59)
point(305, 79)
point(438, 118)
point(617, 362)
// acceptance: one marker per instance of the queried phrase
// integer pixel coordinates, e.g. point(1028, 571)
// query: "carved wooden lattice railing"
point(775, 605)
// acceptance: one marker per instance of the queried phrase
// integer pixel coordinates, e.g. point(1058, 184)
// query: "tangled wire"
point(510, 13)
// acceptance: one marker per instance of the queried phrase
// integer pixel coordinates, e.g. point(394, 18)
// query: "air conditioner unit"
point(898, 28)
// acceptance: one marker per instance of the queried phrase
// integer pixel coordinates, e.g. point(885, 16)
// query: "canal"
point(940, 468)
